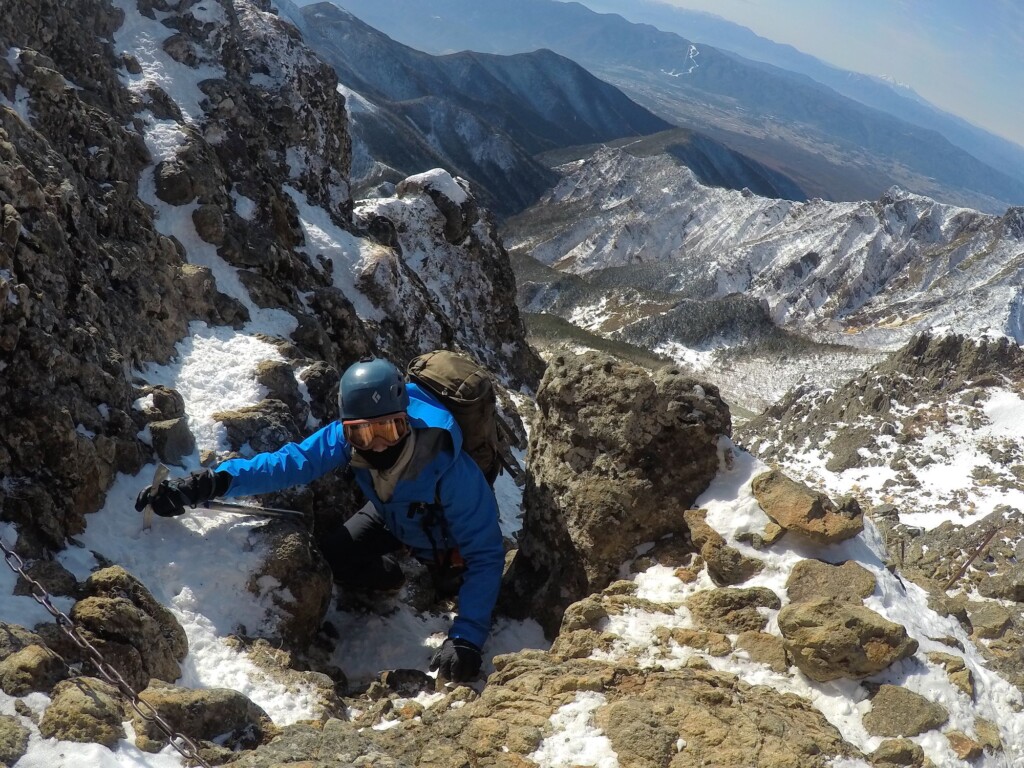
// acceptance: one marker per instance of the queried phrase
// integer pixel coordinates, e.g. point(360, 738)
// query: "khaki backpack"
point(467, 391)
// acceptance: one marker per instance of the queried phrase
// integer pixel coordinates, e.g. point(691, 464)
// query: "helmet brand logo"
point(376, 396)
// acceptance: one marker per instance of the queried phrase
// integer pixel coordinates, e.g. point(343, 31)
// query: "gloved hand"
point(457, 660)
point(172, 496)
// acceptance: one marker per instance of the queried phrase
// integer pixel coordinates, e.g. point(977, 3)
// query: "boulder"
point(847, 582)
point(731, 610)
point(896, 711)
point(264, 427)
point(829, 640)
point(279, 379)
point(897, 753)
point(14, 637)
point(209, 714)
point(172, 440)
point(617, 454)
point(726, 566)
point(765, 649)
point(297, 580)
point(964, 746)
point(134, 633)
point(33, 668)
point(13, 739)
point(956, 670)
point(804, 511)
point(85, 710)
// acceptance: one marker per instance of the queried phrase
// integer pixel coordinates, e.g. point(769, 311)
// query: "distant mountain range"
point(896, 100)
point(485, 117)
point(831, 145)
point(870, 273)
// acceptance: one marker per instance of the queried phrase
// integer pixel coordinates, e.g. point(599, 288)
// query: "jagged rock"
point(988, 734)
point(617, 456)
point(730, 610)
point(174, 182)
point(134, 633)
point(51, 575)
point(13, 638)
point(208, 714)
point(895, 753)
point(964, 746)
point(726, 565)
point(265, 427)
point(829, 640)
point(85, 710)
point(172, 440)
point(956, 671)
point(713, 643)
point(989, 619)
point(33, 668)
point(168, 402)
point(13, 739)
point(801, 510)
point(279, 379)
point(896, 711)
point(765, 649)
point(847, 582)
point(580, 643)
point(321, 382)
point(298, 581)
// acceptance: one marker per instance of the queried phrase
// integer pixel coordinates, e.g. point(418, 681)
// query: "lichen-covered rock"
point(765, 649)
point(726, 565)
point(617, 455)
point(847, 582)
point(85, 710)
point(134, 633)
point(896, 711)
point(732, 610)
point(13, 739)
point(801, 510)
point(896, 753)
point(14, 637)
point(207, 714)
point(172, 440)
point(829, 640)
point(33, 668)
point(296, 579)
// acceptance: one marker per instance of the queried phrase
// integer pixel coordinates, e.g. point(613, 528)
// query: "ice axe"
point(158, 477)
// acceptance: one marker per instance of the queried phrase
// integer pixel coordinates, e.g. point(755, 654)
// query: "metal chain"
point(145, 710)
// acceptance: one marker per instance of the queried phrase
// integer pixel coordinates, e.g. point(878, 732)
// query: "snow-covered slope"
point(869, 273)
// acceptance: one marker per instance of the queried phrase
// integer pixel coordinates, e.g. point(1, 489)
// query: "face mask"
point(382, 460)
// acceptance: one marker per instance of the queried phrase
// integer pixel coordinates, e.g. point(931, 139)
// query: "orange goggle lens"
point(361, 434)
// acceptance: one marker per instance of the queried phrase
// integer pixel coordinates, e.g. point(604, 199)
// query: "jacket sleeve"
point(472, 517)
point(293, 464)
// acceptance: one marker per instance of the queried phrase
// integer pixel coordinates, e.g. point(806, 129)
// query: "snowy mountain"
point(829, 144)
point(480, 116)
point(870, 274)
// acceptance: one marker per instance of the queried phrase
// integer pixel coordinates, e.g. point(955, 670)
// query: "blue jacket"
point(470, 511)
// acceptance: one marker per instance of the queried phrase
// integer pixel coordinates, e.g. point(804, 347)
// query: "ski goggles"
point(361, 433)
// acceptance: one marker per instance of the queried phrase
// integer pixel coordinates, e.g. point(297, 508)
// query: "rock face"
point(686, 718)
point(895, 711)
point(616, 456)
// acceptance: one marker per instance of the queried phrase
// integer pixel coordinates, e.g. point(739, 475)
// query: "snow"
point(441, 181)
point(575, 740)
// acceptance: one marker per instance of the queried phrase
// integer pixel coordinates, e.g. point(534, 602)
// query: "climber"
point(427, 494)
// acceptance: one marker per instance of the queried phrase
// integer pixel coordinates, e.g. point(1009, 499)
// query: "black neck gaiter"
point(384, 460)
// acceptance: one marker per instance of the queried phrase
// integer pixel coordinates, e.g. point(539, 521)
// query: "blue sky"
point(965, 56)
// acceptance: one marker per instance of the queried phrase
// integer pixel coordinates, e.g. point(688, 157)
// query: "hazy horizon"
point(964, 57)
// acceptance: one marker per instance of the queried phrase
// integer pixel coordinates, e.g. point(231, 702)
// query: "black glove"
point(172, 496)
point(457, 660)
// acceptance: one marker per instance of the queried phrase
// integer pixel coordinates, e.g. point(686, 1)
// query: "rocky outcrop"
point(617, 455)
point(85, 710)
point(888, 412)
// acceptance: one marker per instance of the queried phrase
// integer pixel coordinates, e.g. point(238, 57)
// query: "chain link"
point(145, 710)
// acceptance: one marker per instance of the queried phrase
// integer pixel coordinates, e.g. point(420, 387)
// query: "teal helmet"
point(370, 388)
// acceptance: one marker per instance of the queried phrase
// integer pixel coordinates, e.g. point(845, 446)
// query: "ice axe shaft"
point(251, 509)
point(158, 477)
